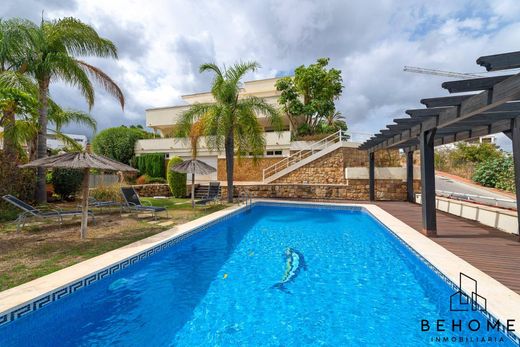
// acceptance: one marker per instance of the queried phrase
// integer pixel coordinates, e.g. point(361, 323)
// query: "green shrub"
point(176, 180)
point(15, 181)
point(151, 164)
point(496, 173)
point(474, 153)
point(118, 143)
point(66, 182)
point(107, 193)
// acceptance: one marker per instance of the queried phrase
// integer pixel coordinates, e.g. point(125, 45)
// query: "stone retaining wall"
point(158, 189)
point(246, 169)
point(355, 190)
point(330, 169)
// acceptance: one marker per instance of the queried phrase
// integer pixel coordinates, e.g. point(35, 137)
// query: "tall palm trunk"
point(230, 161)
point(41, 152)
point(10, 147)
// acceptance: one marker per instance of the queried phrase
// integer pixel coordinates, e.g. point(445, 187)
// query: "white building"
point(163, 120)
point(55, 143)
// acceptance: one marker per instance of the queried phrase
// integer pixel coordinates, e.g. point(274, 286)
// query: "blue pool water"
point(361, 287)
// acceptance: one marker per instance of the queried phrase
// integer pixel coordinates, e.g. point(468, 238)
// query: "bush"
point(176, 180)
point(15, 181)
point(482, 152)
point(143, 179)
point(107, 193)
point(118, 143)
point(156, 180)
point(496, 173)
point(66, 182)
point(150, 164)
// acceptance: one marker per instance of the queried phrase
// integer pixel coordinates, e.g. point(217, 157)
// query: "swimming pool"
point(270, 275)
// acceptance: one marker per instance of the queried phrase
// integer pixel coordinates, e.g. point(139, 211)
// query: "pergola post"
point(515, 136)
point(371, 176)
point(428, 182)
point(409, 177)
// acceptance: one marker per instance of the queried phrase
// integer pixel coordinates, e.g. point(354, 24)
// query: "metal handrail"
point(246, 197)
point(296, 157)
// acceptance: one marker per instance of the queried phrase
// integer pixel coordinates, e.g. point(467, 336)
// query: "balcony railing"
point(272, 139)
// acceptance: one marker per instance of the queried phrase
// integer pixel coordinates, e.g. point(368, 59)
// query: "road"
point(447, 184)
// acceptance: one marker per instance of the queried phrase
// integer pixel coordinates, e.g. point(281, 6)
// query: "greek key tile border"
point(42, 301)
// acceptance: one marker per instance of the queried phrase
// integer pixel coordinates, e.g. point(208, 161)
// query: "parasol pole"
point(84, 204)
point(193, 190)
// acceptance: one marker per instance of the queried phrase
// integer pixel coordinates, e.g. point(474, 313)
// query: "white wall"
point(381, 173)
point(497, 218)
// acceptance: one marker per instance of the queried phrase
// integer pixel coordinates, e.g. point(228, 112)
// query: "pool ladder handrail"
point(245, 196)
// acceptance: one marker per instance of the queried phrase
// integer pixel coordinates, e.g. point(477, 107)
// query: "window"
point(271, 153)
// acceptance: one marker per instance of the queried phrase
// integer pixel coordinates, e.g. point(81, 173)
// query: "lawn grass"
point(41, 249)
point(169, 203)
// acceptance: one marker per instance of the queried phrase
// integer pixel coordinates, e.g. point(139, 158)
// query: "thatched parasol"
point(193, 166)
point(80, 161)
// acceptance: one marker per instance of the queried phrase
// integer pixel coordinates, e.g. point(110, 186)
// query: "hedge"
point(176, 180)
point(66, 182)
point(151, 164)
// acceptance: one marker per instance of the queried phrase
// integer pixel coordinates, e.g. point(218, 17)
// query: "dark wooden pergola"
point(489, 106)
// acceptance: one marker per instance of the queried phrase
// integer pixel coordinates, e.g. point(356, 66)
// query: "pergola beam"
point(486, 101)
point(474, 84)
point(502, 61)
point(445, 101)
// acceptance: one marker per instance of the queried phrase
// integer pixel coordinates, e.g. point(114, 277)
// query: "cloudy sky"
point(162, 43)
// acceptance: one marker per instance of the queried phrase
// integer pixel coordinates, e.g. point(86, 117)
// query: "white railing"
point(473, 197)
point(306, 152)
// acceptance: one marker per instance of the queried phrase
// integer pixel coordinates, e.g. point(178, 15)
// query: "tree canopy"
point(118, 143)
point(308, 98)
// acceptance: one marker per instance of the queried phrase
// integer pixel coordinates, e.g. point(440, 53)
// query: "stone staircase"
point(304, 156)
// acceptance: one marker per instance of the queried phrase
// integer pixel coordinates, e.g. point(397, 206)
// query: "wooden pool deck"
point(494, 252)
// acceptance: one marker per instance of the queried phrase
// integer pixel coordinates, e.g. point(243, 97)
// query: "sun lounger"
point(42, 213)
point(133, 203)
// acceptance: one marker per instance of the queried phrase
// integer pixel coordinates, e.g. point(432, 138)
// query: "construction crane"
point(441, 72)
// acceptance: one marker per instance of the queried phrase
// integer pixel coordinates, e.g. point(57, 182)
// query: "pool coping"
point(502, 302)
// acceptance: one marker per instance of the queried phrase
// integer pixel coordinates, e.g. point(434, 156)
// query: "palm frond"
point(66, 68)
point(67, 140)
point(190, 116)
point(60, 117)
point(259, 106)
point(211, 67)
point(15, 43)
point(235, 73)
point(106, 82)
point(78, 38)
point(16, 80)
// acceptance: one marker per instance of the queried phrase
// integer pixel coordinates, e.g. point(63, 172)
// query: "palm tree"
point(231, 121)
point(56, 45)
point(16, 88)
